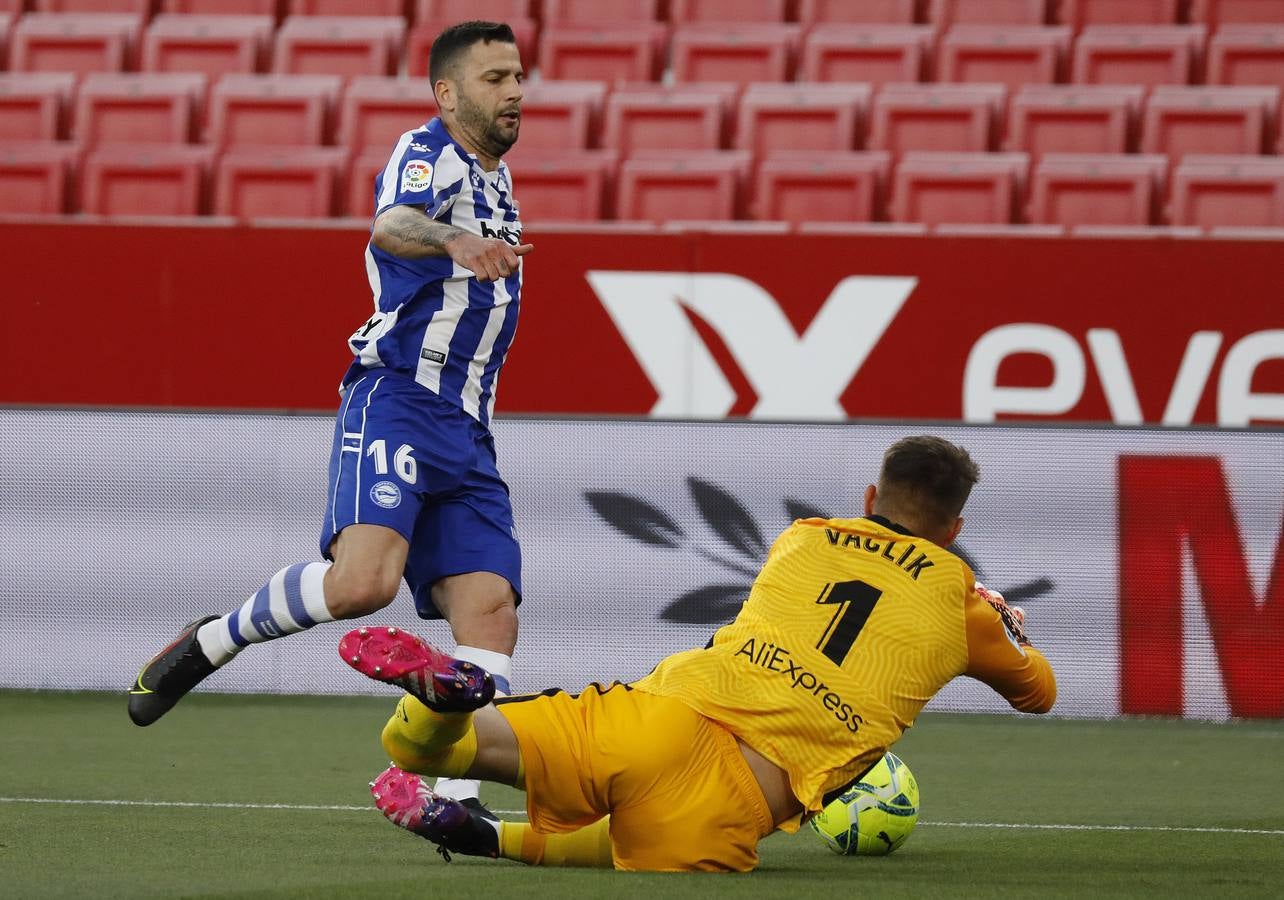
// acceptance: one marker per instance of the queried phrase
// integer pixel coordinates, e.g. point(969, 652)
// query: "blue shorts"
point(406, 459)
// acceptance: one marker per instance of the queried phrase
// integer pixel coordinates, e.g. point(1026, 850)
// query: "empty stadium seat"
point(74, 42)
point(213, 45)
point(34, 177)
point(1216, 13)
point(1247, 55)
point(682, 186)
point(1074, 119)
point(146, 180)
point(376, 111)
point(945, 13)
point(278, 183)
point(561, 114)
point(873, 54)
point(685, 11)
point(1244, 191)
point(257, 110)
point(137, 7)
point(597, 11)
point(346, 8)
point(606, 53)
point(463, 10)
point(892, 12)
point(826, 187)
point(223, 7)
point(943, 117)
point(338, 45)
point(1160, 54)
point(135, 108)
point(419, 41)
point(556, 186)
point(660, 119)
point(1087, 189)
point(1233, 120)
point(1080, 13)
point(34, 106)
point(980, 188)
point(360, 177)
point(737, 52)
point(998, 54)
point(802, 117)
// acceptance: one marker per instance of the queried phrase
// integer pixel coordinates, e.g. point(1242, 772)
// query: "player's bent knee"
point(350, 597)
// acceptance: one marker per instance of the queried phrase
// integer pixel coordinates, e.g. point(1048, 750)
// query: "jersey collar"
point(894, 526)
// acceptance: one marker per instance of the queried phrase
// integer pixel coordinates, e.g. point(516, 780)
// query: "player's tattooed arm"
point(406, 232)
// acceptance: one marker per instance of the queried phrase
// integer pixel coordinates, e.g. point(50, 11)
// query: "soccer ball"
point(874, 816)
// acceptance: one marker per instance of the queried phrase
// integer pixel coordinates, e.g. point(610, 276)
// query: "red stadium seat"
point(223, 7)
point(606, 53)
point(1086, 189)
point(346, 8)
point(726, 11)
point(34, 177)
point(1074, 119)
point(419, 41)
point(891, 12)
point(827, 187)
point(937, 117)
point(338, 45)
point(802, 117)
point(1161, 54)
point(259, 110)
point(278, 183)
point(578, 12)
point(1233, 120)
point(1247, 55)
point(376, 111)
point(874, 54)
point(1216, 13)
point(149, 108)
point(1081, 13)
point(74, 42)
point(561, 114)
point(662, 119)
point(682, 186)
point(980, 188)
point(944, 13)
point(998, 54)
point(555, 186)
point(462, 10)
point(362, 169)
point(146, 180)
point(1244, 191)
point(135, 7)
point(213, 45)
point(738, 53)
point(34, 106)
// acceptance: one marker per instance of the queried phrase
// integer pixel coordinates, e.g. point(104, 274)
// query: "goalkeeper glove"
point(1013, 616)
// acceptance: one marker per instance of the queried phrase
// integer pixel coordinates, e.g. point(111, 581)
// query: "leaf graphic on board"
point(957, 549)
point(729, 520)
point(716, 604)
point(797, 509)
point(636, 518)
point(1024, 593)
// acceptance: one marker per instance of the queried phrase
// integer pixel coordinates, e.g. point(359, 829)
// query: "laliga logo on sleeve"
point(416, 176)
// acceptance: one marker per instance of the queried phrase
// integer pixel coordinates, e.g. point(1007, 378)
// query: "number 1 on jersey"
point(855, 601)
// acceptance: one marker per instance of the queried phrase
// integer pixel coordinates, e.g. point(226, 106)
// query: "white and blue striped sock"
point(293, 600)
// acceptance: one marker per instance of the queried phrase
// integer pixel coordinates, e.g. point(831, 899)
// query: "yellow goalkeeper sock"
point(421, 740)
point(589, 846)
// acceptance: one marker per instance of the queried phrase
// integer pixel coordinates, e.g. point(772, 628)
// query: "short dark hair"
point(452, 42)
point(929, 477)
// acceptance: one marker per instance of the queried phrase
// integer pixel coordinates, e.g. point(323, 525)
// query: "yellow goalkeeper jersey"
point(851, 627)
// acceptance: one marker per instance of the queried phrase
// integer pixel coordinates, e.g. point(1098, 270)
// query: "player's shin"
point(589, 847)
point(422, 740)
point(500, 666)
point(293, 600)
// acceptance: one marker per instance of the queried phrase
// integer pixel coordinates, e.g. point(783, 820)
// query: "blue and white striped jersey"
point(433, 320)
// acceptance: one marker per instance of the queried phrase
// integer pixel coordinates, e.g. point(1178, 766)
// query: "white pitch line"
point(1040, 826)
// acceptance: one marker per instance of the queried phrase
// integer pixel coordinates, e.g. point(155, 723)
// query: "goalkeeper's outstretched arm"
point(1000, 655)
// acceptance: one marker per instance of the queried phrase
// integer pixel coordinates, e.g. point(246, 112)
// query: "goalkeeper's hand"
point(1013, 616)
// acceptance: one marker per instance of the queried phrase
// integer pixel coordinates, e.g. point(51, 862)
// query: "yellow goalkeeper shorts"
point(680, 795)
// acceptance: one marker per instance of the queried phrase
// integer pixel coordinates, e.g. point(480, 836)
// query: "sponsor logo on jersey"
point(510, 236)
point(416, 176)
point(386, 494)
point(433, 355)
point(773, 658)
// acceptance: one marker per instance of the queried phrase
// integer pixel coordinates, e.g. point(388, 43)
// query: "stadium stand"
point(1247, 55)
point(659, 187)
point(214, 45)
point(829, 187)
point(74, 42)
point(606, 53)
point(802, 117)
point(375, 111)
point(1087, 189)
point(34, 177)
point(596, 11)
point(346, 8)
point(35, 106)
point(359, 179)
point(871, 54)
point(945, 13)
point(1204, 120)
point(1074, 119)
point(280, 183)
point(1115, 54)
point(561, 114)
point(734, 52)
point(973, 188)
point(936, 117)
point(660, 119)
point(146, 180)
point(224, 7)
point(431, 16)
point(1009, 55)
point(556, 186)
point(1216, 13)
point(1236, 191)
point(1081, 13)
point(898, 12)
point(726, 11)
point(134, 108)
point(338, 45)
point(257, 110)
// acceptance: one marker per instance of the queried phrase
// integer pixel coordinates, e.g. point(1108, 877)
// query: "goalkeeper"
point(850, 628)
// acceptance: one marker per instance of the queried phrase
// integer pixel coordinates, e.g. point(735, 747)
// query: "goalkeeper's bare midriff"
point(774, 783)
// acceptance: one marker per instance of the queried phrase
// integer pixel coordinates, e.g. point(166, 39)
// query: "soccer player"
point(414, 491)
point(850, 628)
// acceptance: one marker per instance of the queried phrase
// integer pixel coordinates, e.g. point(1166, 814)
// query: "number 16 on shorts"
point(385, 492)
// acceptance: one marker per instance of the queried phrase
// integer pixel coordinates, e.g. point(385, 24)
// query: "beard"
point(492, 137)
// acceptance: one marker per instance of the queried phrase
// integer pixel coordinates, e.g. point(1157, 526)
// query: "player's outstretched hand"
point(1013, 616)
point(487, 258)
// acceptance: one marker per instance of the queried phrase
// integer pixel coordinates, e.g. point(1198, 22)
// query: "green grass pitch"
point(1171, 809)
